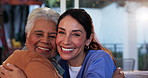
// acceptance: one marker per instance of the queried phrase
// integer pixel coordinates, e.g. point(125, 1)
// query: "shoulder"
point(21, 54)
point(16, 58)
point(98, 56)
point(100, 62)
point(21, 58)
point(38, 65)
point(26, 54)
point(97, 53)
point(33, 58)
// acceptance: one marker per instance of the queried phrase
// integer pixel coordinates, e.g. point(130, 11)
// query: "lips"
point(67, 50)
point(44, 49)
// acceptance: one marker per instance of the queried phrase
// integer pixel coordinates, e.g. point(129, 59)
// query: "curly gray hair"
point(37, 13)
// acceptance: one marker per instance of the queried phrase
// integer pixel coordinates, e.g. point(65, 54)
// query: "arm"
point(14, 73)
point(101, 66)
point(32, 64)
point(40, 69)
point(9, 69)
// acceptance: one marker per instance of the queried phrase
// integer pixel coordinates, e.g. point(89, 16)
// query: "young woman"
point(82, 56)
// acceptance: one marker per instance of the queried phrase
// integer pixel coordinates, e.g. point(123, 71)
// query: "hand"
point(118, 73)
point(14, 73)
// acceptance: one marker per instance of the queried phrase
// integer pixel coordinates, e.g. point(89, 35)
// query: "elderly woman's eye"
point(52, 36)
point(39, 34)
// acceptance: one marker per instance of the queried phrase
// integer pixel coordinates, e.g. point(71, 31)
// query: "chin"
point(65, 58)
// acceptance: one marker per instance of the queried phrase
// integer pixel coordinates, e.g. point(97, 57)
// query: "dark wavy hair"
point(86, 21)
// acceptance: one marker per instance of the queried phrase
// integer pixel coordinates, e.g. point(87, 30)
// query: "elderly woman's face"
point(41, 39)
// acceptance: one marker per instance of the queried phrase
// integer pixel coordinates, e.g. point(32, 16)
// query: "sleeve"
point(16, 59)
point(102, 66)
point(38, 69)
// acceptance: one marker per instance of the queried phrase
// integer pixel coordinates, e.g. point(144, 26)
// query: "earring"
point(86, 47)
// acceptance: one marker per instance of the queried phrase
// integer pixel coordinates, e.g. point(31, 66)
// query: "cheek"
point(58, 39)
point(31, 41)
point(29, 45)
point(79, 42)
point(53, 44)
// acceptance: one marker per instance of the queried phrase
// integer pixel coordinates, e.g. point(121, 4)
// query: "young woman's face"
point(71, 39)
point(41, 38)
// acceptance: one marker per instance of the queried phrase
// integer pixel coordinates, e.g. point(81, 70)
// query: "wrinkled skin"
point(40, 39)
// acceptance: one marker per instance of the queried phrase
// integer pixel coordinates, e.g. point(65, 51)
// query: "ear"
point(27, 36)
point(88, 41)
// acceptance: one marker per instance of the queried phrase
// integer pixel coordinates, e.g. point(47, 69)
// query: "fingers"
point(117, 71)
point(11, 66)
point(119, 68)
point(3, 72)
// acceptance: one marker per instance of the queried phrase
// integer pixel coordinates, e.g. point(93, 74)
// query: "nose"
point(45, 40)
point(67, 40)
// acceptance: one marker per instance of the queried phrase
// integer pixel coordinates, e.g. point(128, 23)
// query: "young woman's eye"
point(76, 35)
point(61, 32)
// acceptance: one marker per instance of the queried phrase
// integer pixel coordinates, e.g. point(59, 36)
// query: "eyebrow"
point(72, 30)
point(38, 31)
point(43, 32)
point(61, 28)
point(77, 31)
point(53, 33)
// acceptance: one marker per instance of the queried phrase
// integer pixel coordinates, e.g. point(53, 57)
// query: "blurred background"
point(120, 25)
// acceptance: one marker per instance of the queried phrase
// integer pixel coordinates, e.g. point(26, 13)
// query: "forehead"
point(44, 25)
point(68, 22)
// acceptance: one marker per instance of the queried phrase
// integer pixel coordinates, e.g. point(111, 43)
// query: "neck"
point(78, 61)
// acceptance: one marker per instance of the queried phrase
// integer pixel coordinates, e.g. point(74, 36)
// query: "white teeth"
point(43, 48)
point(67, 49)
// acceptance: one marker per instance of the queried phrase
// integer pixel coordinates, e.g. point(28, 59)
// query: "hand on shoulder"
point(118, 73)
point(14, 73)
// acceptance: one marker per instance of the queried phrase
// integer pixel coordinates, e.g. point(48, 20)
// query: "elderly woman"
point(40, 44)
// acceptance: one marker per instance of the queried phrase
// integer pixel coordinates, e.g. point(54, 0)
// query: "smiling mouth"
point(46, 49)
point(67, 50)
